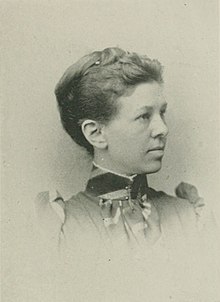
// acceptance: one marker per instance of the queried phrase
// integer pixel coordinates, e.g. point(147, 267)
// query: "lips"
point(161, 148)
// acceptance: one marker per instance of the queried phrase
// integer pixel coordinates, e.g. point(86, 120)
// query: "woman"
point(111, 103)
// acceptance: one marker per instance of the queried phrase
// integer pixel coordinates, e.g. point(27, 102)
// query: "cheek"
point(131, 146)
point(120, 141)
point(130, 137)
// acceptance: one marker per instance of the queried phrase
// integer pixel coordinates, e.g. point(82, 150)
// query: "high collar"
point(124, 202)
point(103, 182)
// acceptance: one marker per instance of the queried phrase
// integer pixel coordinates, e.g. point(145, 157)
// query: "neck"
point(113, 172)
point(105, 163)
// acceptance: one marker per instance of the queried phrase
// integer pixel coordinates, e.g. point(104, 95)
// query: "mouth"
point(159, 148)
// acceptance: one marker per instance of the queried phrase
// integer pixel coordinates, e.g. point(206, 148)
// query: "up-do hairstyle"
point(89, 88)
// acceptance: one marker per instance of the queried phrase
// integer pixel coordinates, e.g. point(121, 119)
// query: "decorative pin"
point(146, 213)
point(101, 202)
point(147, 207)
point(144, 198)
point(112, 220)
point(109, 201)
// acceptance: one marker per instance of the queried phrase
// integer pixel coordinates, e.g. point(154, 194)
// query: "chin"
point(153, 167)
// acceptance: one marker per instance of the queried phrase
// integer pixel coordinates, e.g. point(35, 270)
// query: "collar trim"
point(131, 178)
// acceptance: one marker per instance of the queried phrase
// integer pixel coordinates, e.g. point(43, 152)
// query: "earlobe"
point(93, 132)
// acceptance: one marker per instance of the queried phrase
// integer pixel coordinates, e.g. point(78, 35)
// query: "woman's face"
point(136, 137)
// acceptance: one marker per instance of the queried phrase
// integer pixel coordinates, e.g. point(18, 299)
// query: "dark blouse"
point(119, 232)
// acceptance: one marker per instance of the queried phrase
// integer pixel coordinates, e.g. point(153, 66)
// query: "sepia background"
point(42, 38)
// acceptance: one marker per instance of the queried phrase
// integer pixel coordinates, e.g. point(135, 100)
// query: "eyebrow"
point(150, 107)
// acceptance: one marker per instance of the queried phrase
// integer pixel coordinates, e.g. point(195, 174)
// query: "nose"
point(159, 127)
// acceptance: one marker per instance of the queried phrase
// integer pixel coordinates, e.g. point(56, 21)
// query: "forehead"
point(145, 94)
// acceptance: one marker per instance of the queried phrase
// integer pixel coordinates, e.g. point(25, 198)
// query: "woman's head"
point(90, 89)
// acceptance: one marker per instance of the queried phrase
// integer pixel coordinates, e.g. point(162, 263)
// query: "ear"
point(93, 132)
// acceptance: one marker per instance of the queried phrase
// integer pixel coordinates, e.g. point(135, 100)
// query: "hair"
point(89, 89)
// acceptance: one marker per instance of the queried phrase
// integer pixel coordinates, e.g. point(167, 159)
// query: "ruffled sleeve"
point(204, 217)
point(50, 214)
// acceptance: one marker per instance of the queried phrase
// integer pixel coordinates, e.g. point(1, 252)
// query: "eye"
point(144, 116)
point(162, 113)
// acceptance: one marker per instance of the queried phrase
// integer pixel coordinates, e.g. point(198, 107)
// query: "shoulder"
point(187, 198)
point(52, 208)
point(174, 210)
point(187, 207)
point(50, 205)
point(163, 199)
point(80, 205)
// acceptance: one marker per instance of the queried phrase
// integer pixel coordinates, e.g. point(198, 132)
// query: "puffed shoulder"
point(190, 192)
point(50, 207)
point(187, 191)
point(187, 203)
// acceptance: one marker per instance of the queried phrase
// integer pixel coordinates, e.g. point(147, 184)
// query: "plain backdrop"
point(42, 38)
